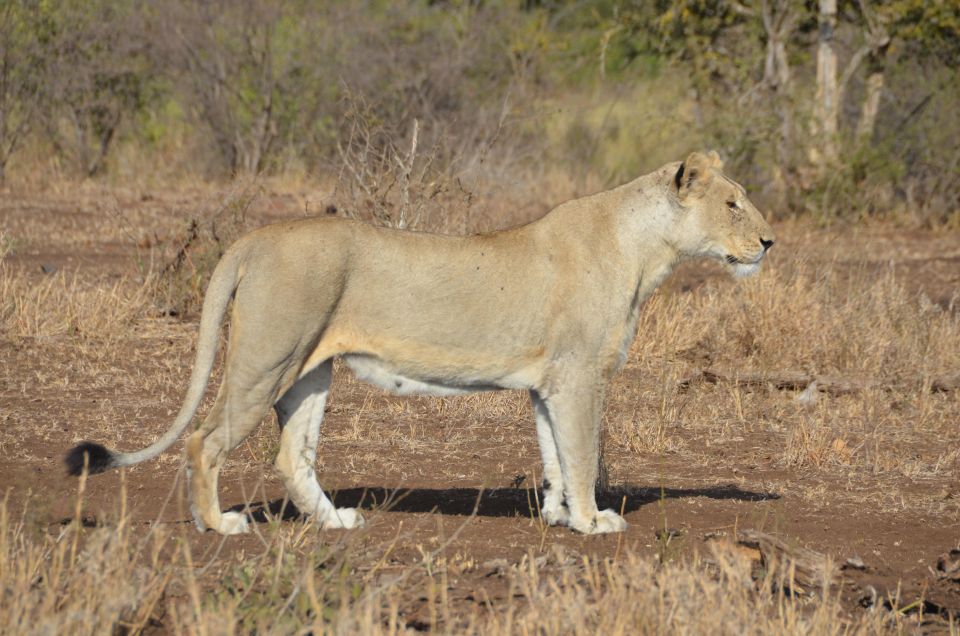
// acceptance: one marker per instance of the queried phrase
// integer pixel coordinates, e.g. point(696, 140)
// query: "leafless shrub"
point(181, 282)
point(381, 182)
point(247, 69)
point(97, 75)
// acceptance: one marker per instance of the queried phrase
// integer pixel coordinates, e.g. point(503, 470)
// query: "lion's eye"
point(732, 205)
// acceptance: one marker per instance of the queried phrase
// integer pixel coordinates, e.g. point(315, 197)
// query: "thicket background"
point(835, 109)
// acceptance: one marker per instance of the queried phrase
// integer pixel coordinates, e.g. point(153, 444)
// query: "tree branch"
point(851, 68)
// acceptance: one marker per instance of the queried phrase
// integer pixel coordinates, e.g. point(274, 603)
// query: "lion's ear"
point(715, 160)
point(693, 173)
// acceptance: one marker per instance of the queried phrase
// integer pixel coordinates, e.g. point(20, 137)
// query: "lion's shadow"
point(493, 502)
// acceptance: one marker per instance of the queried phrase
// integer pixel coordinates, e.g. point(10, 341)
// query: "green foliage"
point(857, 188)
point(932, 25)
point(23, 25)
point(94, 73)
point(603, 88)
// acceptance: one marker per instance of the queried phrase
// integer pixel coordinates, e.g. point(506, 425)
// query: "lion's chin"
point(743, 270)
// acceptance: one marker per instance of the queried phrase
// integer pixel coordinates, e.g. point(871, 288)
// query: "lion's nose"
point(767, 244)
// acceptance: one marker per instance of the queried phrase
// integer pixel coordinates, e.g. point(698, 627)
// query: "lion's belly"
point(373, 370)
point(386, 376)
point(414, 363)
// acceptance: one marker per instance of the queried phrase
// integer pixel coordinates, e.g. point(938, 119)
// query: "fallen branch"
point(796, 568)
point(804, 569)
point(800, 381)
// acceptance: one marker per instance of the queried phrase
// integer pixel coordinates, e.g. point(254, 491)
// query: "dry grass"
point(93, 348)
point(57, 582)
point(714, 594)
point(66, 303)
point(89, 580)
point(795, 317)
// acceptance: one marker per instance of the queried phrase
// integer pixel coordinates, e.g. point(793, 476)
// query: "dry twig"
point(800, 381)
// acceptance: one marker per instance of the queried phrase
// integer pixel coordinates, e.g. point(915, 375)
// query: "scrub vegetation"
point(784, 448)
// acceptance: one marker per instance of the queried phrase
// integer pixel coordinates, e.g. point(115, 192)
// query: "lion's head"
point(730, 226)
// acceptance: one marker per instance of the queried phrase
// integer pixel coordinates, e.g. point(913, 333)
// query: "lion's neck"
point(648, 233)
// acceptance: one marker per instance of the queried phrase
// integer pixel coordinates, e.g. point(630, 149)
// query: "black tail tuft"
point(99, 458)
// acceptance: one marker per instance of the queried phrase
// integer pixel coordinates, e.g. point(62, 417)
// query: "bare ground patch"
point(454, 540)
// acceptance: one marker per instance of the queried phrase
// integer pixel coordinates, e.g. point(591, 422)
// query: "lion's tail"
point(223, 284)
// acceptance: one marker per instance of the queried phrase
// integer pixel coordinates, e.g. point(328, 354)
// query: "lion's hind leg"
point(233, 417)
point(300, 413)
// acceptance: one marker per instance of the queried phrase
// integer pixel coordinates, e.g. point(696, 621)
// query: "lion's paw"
point(609, 521)
point(233, 523)
point(343, 518)
point(556, 516)
point(197, 519)
point(604, 521)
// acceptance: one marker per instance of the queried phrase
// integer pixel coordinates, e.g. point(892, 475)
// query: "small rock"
point(854, 563)
point(48, 268)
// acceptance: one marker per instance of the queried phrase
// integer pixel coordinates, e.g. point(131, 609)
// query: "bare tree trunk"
point(106, 136)
point(879, 41)
point(778, 22)
point(871, 106)
point(81, 152)
point(826, 106)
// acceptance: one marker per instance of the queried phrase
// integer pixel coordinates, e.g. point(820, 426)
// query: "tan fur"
point(550, 307)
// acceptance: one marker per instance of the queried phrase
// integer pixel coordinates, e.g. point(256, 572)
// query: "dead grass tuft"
point(68, 304)
point(55, 583)
point(715, 594)
point(796, 317)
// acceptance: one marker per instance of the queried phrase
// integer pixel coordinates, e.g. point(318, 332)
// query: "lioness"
point(550, 307)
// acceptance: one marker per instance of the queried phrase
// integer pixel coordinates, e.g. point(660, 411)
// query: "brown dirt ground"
point(433, 464)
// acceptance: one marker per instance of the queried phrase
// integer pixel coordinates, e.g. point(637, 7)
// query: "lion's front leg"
point(553, 508)
point(574, 414)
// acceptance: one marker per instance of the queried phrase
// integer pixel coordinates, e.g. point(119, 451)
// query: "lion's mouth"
point(733, 260)
point(741, 267)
